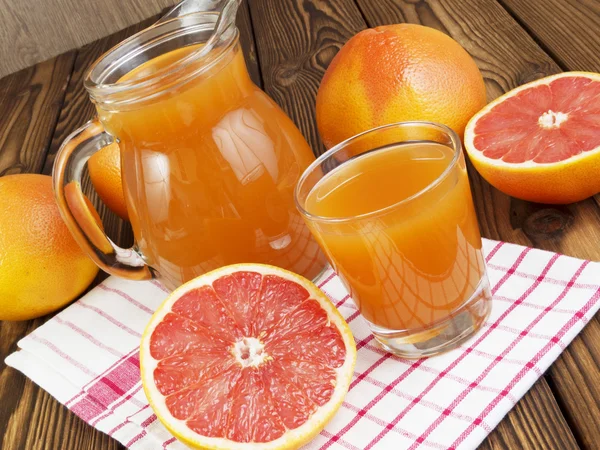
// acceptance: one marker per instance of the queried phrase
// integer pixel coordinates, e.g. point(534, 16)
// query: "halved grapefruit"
point(246, 357)
point(541, 141)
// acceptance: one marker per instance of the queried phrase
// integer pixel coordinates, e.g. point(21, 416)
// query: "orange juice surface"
point(209, 166)
point(412, 263)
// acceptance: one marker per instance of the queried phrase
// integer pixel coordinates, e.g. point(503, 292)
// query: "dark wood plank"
point(508, 57)
point(574, 380)
point(505, 54)
point(244, 24)
point(52, 427)
point(30, 101)
point(296, 40)
point(568, 29)
point(525, 429)
point(15, 390)
point(309, 33)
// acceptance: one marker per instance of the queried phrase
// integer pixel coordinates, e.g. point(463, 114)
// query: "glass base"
point(443, 335)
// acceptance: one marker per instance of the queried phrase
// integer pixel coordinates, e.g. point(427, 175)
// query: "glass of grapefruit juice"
point(209, 162)
point(392, 210)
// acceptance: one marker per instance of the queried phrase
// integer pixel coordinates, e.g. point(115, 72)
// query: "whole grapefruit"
point(398, 73)
point(104, 167)
point(41, 266)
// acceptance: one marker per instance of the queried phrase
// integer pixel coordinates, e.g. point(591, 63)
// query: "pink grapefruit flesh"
point(244, 356)
point(546, 123)
point(541, 141)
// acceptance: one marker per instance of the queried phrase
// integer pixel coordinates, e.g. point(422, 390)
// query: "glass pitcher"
point(209, 162)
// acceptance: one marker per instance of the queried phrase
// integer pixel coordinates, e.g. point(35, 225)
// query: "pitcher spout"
point(202, 6)
point(224, 26)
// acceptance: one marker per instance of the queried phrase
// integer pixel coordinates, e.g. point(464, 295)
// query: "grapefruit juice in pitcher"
point(209, 172)
point(209, 162)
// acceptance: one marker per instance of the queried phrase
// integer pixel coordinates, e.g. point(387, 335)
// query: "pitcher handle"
point(77, 148)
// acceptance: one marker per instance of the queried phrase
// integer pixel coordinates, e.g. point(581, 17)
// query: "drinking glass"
point(392, 210)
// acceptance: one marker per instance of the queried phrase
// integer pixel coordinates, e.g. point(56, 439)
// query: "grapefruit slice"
point(248, 356)
point(541, 141)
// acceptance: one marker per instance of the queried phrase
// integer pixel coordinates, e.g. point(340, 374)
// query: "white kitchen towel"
point(87, 357)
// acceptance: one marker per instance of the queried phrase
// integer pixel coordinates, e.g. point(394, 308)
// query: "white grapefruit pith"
point(541, 141)
point(246, 357)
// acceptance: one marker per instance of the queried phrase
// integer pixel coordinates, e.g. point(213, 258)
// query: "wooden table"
point(288, 45)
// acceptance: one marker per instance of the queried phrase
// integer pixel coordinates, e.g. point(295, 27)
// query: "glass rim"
point(456, 145)
point(153, 36)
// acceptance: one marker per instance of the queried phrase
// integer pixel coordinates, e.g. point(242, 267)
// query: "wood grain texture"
point(296, 40)
point(568, 29)
point(30, 101)
point(574, 380)
point(533, 431)
point(508, 57)
point(51, 426)
point(244, 24)
point(32, 31)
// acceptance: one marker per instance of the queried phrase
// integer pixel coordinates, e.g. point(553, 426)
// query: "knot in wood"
point(325, 55)
point(547, 223)
point(535, 72)
point(286, 74)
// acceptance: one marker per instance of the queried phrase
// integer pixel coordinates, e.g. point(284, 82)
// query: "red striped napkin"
point(87, 357)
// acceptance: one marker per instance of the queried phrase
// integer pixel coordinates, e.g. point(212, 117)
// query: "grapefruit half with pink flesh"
point(541, 141)
point(246, 357)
